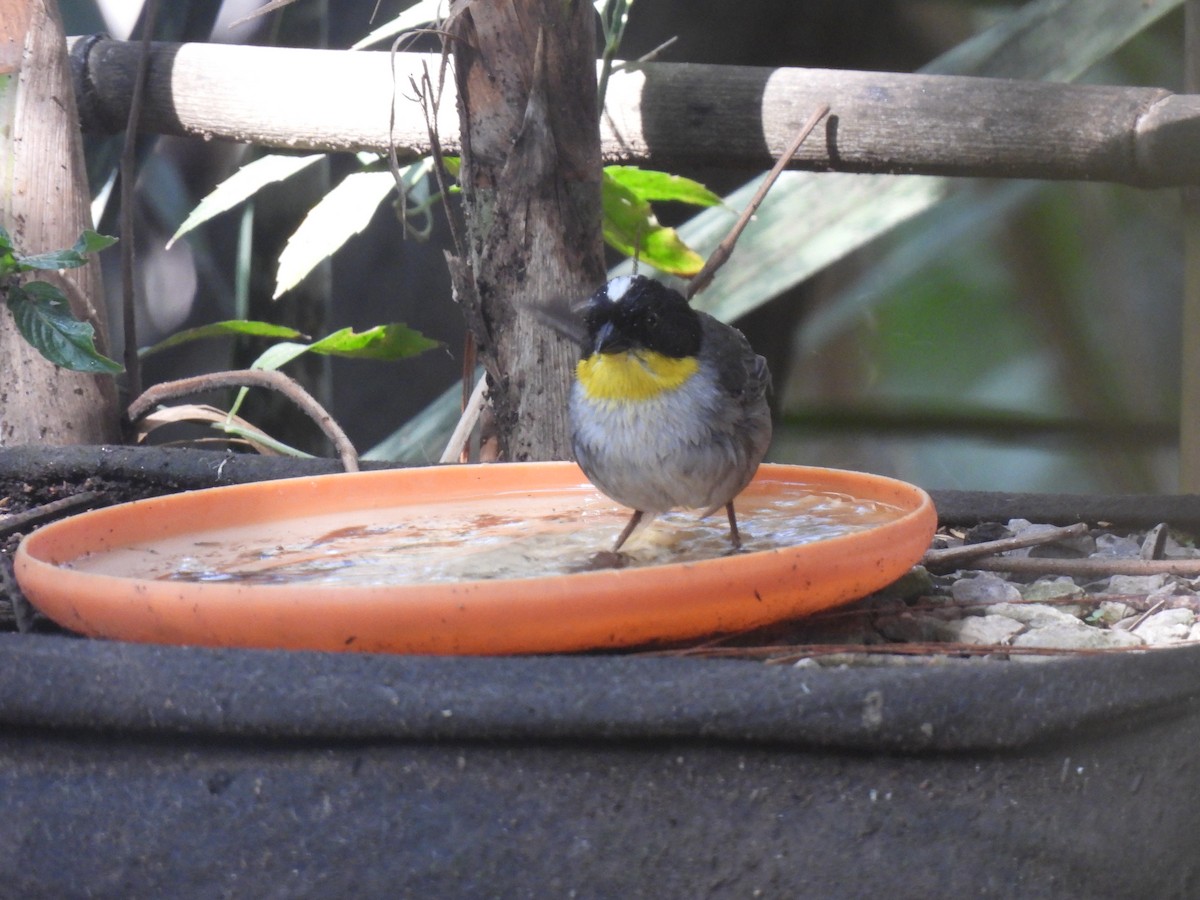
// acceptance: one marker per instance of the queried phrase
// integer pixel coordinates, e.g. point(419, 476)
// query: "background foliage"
point(1016, 336)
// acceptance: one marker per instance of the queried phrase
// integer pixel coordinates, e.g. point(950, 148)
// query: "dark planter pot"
point(145, 771)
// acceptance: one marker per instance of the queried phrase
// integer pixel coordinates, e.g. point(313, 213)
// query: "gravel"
point(999, 614)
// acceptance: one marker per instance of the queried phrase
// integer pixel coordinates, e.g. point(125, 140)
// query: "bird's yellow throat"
point(632, 376)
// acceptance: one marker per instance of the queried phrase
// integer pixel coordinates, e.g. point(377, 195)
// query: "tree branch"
point(276, 381)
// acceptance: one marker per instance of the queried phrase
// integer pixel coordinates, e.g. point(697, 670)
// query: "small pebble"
point(1035, 615)
point(1080, 546)
point(987, 629)
point(985, 588)
point(1176, 550)
point(1155, 542)
point(1075, 636)
point(910, 628)
point(986, 531)
point(1135, 584)
point(1057, 588)
point(1183, 598)
point(914, 583)
point(1170, 626)
point(1076, 547)
point(1115, 546)
point(1112, 611)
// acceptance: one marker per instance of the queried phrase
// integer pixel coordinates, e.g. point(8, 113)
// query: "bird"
point(668, 408)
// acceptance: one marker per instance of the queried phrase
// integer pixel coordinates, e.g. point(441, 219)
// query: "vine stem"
point(276, 381)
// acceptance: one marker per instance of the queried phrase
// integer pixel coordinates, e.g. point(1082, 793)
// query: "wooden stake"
point(1189, 392)
point(44, 205)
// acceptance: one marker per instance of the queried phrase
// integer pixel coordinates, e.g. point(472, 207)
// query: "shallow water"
point(515, 536)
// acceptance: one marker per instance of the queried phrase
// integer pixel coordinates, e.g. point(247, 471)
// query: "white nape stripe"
point(617, 288)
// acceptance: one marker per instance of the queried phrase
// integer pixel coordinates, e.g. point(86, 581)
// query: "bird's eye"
point(651, 320)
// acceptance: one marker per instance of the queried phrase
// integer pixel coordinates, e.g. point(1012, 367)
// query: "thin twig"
point(133, 371)
point(1138, 602)
point(1092, 567)
point(263, 10)
point(789, 653)
point(393, 159)
point(276, 381)
point(652, 55)
point(951, 557)
point(725, 249)
point(462, 431)
point(46, 512)
point(1162, 601)
point(430, 98)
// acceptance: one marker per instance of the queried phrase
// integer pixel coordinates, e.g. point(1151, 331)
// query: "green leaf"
point(384, 342)
point(260, 437)
point(279, 355)
point(664, 249)
point(810, 208)
point(630, 227)
point(244, 183)
point(342, 213)
point(43, 316)
point(72, 258)
point(247, 327)
point(811, 220)
point(92, 242)
point(651, 186)
point(8, 256)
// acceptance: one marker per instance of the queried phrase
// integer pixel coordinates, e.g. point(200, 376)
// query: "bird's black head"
point(633, 312)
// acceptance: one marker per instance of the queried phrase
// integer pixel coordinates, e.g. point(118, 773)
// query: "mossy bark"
point(526, 78)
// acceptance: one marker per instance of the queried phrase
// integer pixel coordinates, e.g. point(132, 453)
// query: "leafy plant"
point(630, 224)
point(628, 192)
point(42, 312)
point(383, 342)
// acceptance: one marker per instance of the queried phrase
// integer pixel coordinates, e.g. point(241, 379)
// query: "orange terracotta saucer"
point(583, 610)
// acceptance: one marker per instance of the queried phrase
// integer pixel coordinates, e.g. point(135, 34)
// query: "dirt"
point(19, 495)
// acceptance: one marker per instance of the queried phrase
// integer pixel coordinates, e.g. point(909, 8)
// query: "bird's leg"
point(633, 523)
point(734, 537)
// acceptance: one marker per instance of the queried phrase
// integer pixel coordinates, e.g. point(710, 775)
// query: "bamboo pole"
point(674, 115)
point(44, 206)
point(1189, 393)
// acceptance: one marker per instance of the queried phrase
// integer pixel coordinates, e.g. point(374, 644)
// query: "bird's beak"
point(609, 340)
